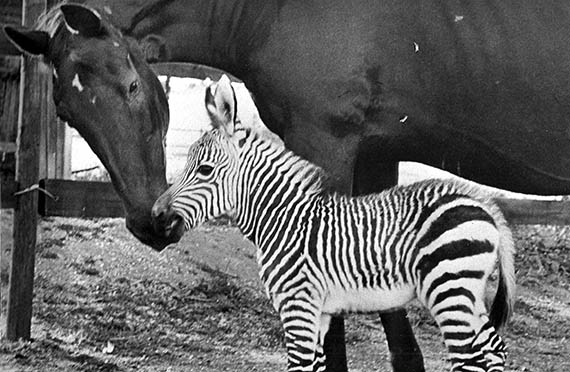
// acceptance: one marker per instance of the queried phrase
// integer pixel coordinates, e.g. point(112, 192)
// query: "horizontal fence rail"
point(535, 212)
point(99, 199)
point(67, 198)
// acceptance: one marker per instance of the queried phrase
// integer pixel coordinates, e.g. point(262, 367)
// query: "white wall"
point(188, 120)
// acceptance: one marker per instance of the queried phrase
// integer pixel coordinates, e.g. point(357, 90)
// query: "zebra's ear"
point(221, 105)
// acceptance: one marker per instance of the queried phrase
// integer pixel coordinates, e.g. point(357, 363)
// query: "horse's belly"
point(340, 300)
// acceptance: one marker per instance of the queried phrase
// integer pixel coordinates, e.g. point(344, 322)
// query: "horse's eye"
point(134, 87)
point(205, 170)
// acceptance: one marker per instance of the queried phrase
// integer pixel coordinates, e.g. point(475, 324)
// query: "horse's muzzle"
point(165, 221)
point(154, 235)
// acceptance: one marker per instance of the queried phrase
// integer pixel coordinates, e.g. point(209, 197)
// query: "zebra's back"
point(379, 251)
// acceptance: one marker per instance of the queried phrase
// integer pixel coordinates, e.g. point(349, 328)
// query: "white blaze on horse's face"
point(76, 83)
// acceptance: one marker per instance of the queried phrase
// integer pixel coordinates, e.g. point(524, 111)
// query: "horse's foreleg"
point(405, 352)
point(335, 347)
point(372, 173)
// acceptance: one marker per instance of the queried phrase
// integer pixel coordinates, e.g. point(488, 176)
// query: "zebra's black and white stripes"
point(322, 254)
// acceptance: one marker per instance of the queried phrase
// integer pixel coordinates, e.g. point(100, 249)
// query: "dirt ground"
point(105, 302)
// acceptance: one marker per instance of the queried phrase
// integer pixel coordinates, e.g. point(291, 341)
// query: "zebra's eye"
point(205, 170)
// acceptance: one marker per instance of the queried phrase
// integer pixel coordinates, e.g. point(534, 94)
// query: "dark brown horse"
point(104, 88)
point(478, 88)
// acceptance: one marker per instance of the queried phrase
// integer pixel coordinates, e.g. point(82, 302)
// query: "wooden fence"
point(99, 199)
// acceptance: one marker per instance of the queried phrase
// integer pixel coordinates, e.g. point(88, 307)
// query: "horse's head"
point(103, 87)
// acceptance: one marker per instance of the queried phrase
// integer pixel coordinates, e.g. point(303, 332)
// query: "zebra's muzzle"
point(166, 221)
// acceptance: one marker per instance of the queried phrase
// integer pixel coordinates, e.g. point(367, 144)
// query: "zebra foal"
point(322, 254)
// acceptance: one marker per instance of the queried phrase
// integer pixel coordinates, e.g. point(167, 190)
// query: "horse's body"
point(476, 88)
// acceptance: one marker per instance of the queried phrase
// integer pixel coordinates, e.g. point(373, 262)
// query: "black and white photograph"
point(284, 185)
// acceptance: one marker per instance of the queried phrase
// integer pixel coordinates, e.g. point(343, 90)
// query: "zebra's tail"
point(504, 301)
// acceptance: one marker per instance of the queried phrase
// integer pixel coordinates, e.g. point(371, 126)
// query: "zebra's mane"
point(315, 179)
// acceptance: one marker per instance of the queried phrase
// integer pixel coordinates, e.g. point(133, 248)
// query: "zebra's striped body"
point(323, 254)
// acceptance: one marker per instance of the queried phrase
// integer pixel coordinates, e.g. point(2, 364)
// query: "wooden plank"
point(98, 199)
point(8, 185)
point(65, 162)
point(6, 47)
point(191, 70)
point(9, 98)
point(80, 199)
point(11, 11)
point(32, 93)
point(8, 147)
point(54, 156)
point(10, 14)
point(535, 212)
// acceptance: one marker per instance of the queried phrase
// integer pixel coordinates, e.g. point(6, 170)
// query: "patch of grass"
point(49, 255)
point(146, 315)
point(86, 267)
point(49, 243)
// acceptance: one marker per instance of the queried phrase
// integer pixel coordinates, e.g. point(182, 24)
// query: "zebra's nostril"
point(161, 207)
point(157, 211)
point(173, 225)
point(158, 215)
point(162, 213)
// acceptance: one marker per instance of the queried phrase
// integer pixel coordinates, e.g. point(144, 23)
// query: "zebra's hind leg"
point(486, 353)
point(492, 346)
point(456, 301)
point(473, 343)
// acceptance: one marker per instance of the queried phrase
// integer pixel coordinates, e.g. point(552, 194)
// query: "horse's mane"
point(51, 19)
point(145, 11)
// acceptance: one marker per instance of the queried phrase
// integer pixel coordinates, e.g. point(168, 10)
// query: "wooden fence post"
point(33, 90)
point(55, 143)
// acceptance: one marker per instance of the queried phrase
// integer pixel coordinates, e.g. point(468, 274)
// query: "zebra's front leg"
point(303, 337)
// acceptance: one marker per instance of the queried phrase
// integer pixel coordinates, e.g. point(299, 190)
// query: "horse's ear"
point(82, 20)
point(29, 41)
point(154, 48)
point(221, 105)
